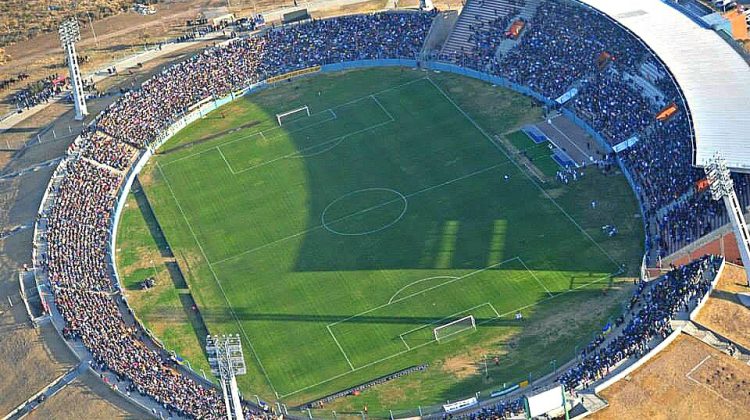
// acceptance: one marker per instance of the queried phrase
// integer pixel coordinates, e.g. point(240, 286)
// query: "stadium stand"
point(75, 227)
point(476, 17)
point(561, 49)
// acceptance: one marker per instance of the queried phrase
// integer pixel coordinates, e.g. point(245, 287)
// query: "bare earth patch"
point(25, 350)
point(463, 365)
point(723, 312)
point(672, 386)
point(85, 398)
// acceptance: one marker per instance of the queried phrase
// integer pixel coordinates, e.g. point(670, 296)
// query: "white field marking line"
point(419, 281)
point(706, 386)
point(381, 228)
point(225, 160)
point(216, 279)
point(245, 137)
point(296, 154)
point(423, 326)
point(430, 342)
point(494, 310)
point(382, 107)
point(338, 140)
point(551, 123)
point(498, 147)
point(481, 270)
point(404, 341)
point(696, 368)
point(357, 213)
point(534, 276)
point(340, 348)
point(329, 110)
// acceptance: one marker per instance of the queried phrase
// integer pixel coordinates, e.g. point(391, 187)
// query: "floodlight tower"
point(722, 188)
point(227, 360)
point(70, 33)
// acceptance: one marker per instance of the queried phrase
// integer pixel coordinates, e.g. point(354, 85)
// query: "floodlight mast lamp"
point(227, 360)
point(70, 33)
point(721, 187)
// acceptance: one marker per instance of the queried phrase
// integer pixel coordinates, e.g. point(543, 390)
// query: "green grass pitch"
point(336, 243)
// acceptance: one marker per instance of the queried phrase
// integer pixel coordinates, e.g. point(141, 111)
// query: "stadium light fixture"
point(721, 187)
point(70, 33)
point(227, 360)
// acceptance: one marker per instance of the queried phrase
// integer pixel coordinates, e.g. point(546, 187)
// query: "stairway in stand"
point(477, 14)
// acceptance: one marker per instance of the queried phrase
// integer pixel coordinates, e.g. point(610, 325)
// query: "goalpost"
point(454, 327)
point(304, 109)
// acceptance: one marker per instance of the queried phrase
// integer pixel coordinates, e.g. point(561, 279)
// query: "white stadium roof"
point(714, 78)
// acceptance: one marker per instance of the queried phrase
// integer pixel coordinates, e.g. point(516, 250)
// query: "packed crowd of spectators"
point(38, 92)
point(141, 115)
point(101, 148)
point(83, 192)
point(612, 107)
point(696, 215)
point(557, 49)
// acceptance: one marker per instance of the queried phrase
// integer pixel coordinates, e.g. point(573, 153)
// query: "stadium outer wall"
point(196, 112)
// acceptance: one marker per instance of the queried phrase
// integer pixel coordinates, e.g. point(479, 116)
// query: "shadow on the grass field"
point(189, 306)
point(442, 202)
point(245, 314)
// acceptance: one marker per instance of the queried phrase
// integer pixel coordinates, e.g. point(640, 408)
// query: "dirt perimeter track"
point(687, 380)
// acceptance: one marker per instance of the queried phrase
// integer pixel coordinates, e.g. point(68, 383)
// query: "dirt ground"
point(85, 398)
point(116, 37)
point(687, 380)
point(723, 312)
point(30, 359)
point(37, 359)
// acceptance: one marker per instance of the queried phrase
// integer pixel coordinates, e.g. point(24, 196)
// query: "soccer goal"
point(454, 327)
point(291, 114)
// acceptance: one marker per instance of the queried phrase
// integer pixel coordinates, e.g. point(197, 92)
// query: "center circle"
point(357, 205)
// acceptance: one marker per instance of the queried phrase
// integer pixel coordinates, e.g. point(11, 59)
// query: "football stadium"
point(497, 209)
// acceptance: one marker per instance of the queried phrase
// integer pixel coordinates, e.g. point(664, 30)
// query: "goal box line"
point(491, 315)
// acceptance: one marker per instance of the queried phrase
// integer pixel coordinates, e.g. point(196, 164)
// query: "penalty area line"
point(534, 276)
point(328, 327)
point(328, 110)
point(711, 389)
point(333, 378)
point(696, 367)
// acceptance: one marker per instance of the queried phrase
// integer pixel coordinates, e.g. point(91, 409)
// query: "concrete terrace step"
point(475, 15)
point(592, 402)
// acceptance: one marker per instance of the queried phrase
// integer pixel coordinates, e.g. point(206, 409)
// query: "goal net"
point(293, 114)
point(454, 327)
